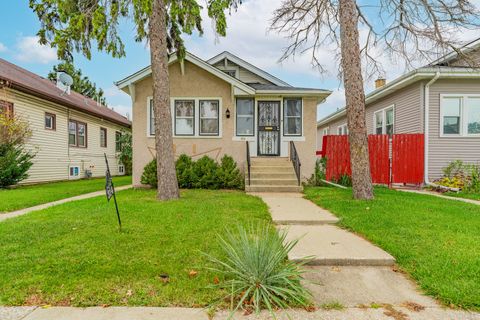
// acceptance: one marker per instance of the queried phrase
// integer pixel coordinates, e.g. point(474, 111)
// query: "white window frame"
point(284, 117)
point(196, 129)
point(252, 135)
point(121, 169)
point(463, 116)
point(383, 111)
point(344, 128)
point(325, 131)
point(71, 177)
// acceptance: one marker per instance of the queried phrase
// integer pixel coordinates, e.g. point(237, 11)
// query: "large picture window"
point(460, 115)
point(209, 117)
point(384, 121)
point(292, 117)
point(184, 117)
point(245, 114)
point(77, 134)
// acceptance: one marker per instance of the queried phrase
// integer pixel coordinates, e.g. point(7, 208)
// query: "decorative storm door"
point(269, 128)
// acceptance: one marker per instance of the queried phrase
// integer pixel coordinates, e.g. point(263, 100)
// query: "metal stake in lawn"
point(110, 191)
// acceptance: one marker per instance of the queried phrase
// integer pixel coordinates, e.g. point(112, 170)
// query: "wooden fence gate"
point(401, 161)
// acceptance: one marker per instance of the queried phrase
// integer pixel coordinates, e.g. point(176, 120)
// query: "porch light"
point(227, 113)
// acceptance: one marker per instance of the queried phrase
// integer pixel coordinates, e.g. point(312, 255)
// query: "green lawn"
point(473, 196)
point(29, 196)
point(73, 254)
point(436, 241)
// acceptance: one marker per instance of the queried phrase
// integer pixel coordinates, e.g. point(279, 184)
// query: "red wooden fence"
point(407, 157)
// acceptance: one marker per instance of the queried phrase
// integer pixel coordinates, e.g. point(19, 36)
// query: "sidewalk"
point(436, 194)
point(21, 212)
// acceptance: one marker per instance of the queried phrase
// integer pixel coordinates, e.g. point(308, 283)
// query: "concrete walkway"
point(21, 212)
point(438, 195)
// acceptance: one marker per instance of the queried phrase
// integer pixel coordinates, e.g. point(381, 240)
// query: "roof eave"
point(299, 93)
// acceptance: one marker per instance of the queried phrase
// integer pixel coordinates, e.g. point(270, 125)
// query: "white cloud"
point(113, 91)
point(334, 102)
point(29, 50)
point(3, 48)
point(122, 109)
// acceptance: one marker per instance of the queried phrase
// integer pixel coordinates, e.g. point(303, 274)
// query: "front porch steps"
point(271, 175)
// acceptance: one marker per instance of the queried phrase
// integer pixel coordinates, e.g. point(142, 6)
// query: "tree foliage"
point(75, 26)
point(125, 155)
point(81, 83)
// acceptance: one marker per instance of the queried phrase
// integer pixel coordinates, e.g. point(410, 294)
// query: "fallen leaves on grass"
point(192, 273)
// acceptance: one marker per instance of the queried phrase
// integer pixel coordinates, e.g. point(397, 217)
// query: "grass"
point(334, 305)
point(435, 240)
point(32, 195)
point(473, 196)
point(73, 254)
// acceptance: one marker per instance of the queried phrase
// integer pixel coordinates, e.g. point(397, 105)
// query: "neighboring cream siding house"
point(49, 111)
point(448, 92)
point(218, 106)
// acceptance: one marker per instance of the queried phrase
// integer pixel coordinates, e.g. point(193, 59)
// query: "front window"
point(118, 143)
point(292, 117)
point(50, 120)
point(184, 117)
point(209, 116)
point(245, 117)
point(342, 130)
point(384, 121)
point(103, 137)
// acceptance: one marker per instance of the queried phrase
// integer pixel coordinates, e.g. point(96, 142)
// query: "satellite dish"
point(64, 81)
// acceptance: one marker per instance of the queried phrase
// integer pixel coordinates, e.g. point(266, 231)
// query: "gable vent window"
point(231, 73)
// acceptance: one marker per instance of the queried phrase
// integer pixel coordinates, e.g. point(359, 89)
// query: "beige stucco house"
point(70, 132)
point(441, 100)
point(222, 105)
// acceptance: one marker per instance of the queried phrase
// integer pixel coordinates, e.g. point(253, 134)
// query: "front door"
point(268, 128)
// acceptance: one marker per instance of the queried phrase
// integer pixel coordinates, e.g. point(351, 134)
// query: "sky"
point(247, 36)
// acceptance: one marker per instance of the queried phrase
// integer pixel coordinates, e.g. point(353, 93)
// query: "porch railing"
point(248, 162)
point(295, 160)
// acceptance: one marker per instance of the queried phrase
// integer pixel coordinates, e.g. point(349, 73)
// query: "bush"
point(15, 162)
point(204, 173)
point(460, 175)
point(184, 167)
point(229, 176)
point(149, 175)
point(257, 270)
point(319, 173)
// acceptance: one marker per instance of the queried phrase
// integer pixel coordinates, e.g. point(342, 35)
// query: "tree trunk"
point(167, 178)
point(355, 100)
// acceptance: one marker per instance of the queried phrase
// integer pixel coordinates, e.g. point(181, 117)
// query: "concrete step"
point(332, 246)
point(270, 188)
point(270, 162)
point(273, 175)
point(278, 169)
point(273, 182)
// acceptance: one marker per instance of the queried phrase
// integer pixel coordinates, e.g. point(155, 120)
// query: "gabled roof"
point(273, 89)
point(31, 83)
point(446, 59)
point(250, 67)
point(146, 72)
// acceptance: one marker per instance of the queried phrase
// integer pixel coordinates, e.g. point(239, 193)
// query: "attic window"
point(231, 73)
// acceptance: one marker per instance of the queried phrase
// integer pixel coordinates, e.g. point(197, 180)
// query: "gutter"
point(426, 126)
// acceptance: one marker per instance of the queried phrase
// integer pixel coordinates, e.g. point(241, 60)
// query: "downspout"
point(426, 126)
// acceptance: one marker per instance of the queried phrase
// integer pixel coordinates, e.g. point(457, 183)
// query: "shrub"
point(184, 167)
point(149, 175)
point(460, 175)
point(319, 173)
point(229, 176)
point(257, 270)
point(345, 180)
point(205, 174)
point(15, 162)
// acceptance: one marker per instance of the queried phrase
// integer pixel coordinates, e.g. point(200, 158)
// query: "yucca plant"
point(257, 272)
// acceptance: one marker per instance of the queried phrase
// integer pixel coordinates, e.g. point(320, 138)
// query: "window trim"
point(54, 121)
point(106, 137)
point(285, 117)
point(76, 145)
point(8, 107)
point(384, 119)
point(252, 99)
point(116, 141)
point(175, 118)
point(71, 177)
point(325, 131)
point(463, 116)
point(122, 171)
point(200, 119)
point(344, 125)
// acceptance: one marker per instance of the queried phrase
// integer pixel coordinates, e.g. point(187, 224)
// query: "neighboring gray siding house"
point(441, 100)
